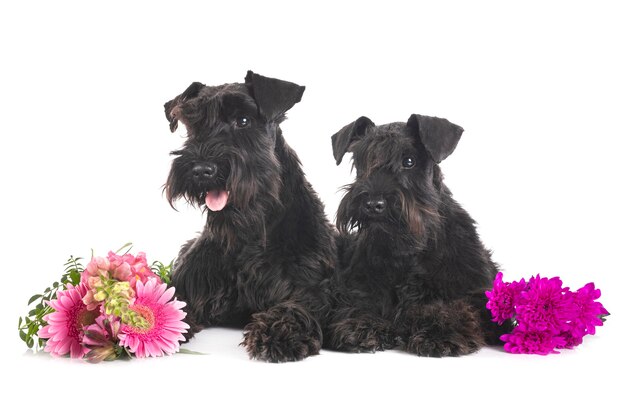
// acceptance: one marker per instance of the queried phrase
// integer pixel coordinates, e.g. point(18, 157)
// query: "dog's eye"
point(242, 121)
point(408, 162)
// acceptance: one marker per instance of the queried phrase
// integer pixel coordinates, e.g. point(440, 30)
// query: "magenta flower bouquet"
point(117, 306)
point(546, 315)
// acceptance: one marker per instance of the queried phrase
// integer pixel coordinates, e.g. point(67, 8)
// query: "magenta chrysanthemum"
point(525, 341)
point(65, 329)
point(587, 312)
point(546, 314)
point(164, 326)
point(503, 297)
point(545, 305)
point(568, 340)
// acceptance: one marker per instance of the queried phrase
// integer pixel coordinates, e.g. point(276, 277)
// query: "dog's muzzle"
point(374, 205)
point(204, 175)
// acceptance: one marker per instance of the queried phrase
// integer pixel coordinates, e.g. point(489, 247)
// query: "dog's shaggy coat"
point(413, 270)
point(267, 251)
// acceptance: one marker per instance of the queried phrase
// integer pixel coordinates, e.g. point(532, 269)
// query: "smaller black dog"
point(413, 270)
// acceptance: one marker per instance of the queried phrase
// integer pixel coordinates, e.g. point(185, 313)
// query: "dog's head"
point(398, 183)
point(229, 160)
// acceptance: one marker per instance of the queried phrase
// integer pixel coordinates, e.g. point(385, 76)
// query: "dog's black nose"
point(204, 170)
point(375, 205)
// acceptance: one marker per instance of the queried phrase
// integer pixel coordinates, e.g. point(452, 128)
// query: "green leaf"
point(128, 245)
point(187, 351)
point(30, 343)
point(33, 298)
point(33, 328)
point(19, 324)
point(75, 277)
point(23, 335)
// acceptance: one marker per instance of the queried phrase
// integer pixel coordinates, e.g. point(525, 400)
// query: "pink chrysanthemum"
point(526, 341)
point(545, 305)
point(164, 329)
point(503, 297)
point(65, 329)
point(138, 265)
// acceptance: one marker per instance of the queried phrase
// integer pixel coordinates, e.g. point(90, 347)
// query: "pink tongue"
point(216, 199)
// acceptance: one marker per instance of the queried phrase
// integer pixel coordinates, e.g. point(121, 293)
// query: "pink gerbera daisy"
point(164, 326)
point(65, 329)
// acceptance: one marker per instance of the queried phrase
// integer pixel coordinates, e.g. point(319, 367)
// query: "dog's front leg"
point(356, 331)
point(440, 328)
point(199, 280)
point(285, 332)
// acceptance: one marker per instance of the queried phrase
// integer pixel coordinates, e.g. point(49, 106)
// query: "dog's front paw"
point(429, 345)
point(281, 334)
point(361, 334)
point(443, 329)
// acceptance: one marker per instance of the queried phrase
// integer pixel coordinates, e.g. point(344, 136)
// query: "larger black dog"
point(414, 271)
point(267, 251)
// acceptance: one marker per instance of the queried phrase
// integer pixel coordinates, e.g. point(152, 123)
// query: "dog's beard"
point(239, 203)
point(229, 223)
point(241, 211)
point(181, 183)
point(405, 220)
point(233, 225)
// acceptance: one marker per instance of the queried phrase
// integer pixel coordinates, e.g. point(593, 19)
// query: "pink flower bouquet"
point(117, 306)
point(546, 315)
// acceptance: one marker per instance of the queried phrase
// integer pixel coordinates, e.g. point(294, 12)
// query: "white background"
point(539, 88)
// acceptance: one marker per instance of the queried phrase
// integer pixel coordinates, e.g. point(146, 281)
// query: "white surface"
point(538, 87)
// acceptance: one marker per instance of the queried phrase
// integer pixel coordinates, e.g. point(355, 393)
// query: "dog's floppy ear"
point(439, 136)
point(344, 138)
point(274, 97)
point(173, 110)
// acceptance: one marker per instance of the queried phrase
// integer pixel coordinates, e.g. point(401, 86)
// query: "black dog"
point(267, 251)
point(413, 270)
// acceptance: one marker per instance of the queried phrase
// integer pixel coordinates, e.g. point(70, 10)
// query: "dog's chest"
point(378, 270)
point(260, 279)
point(387, 261)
